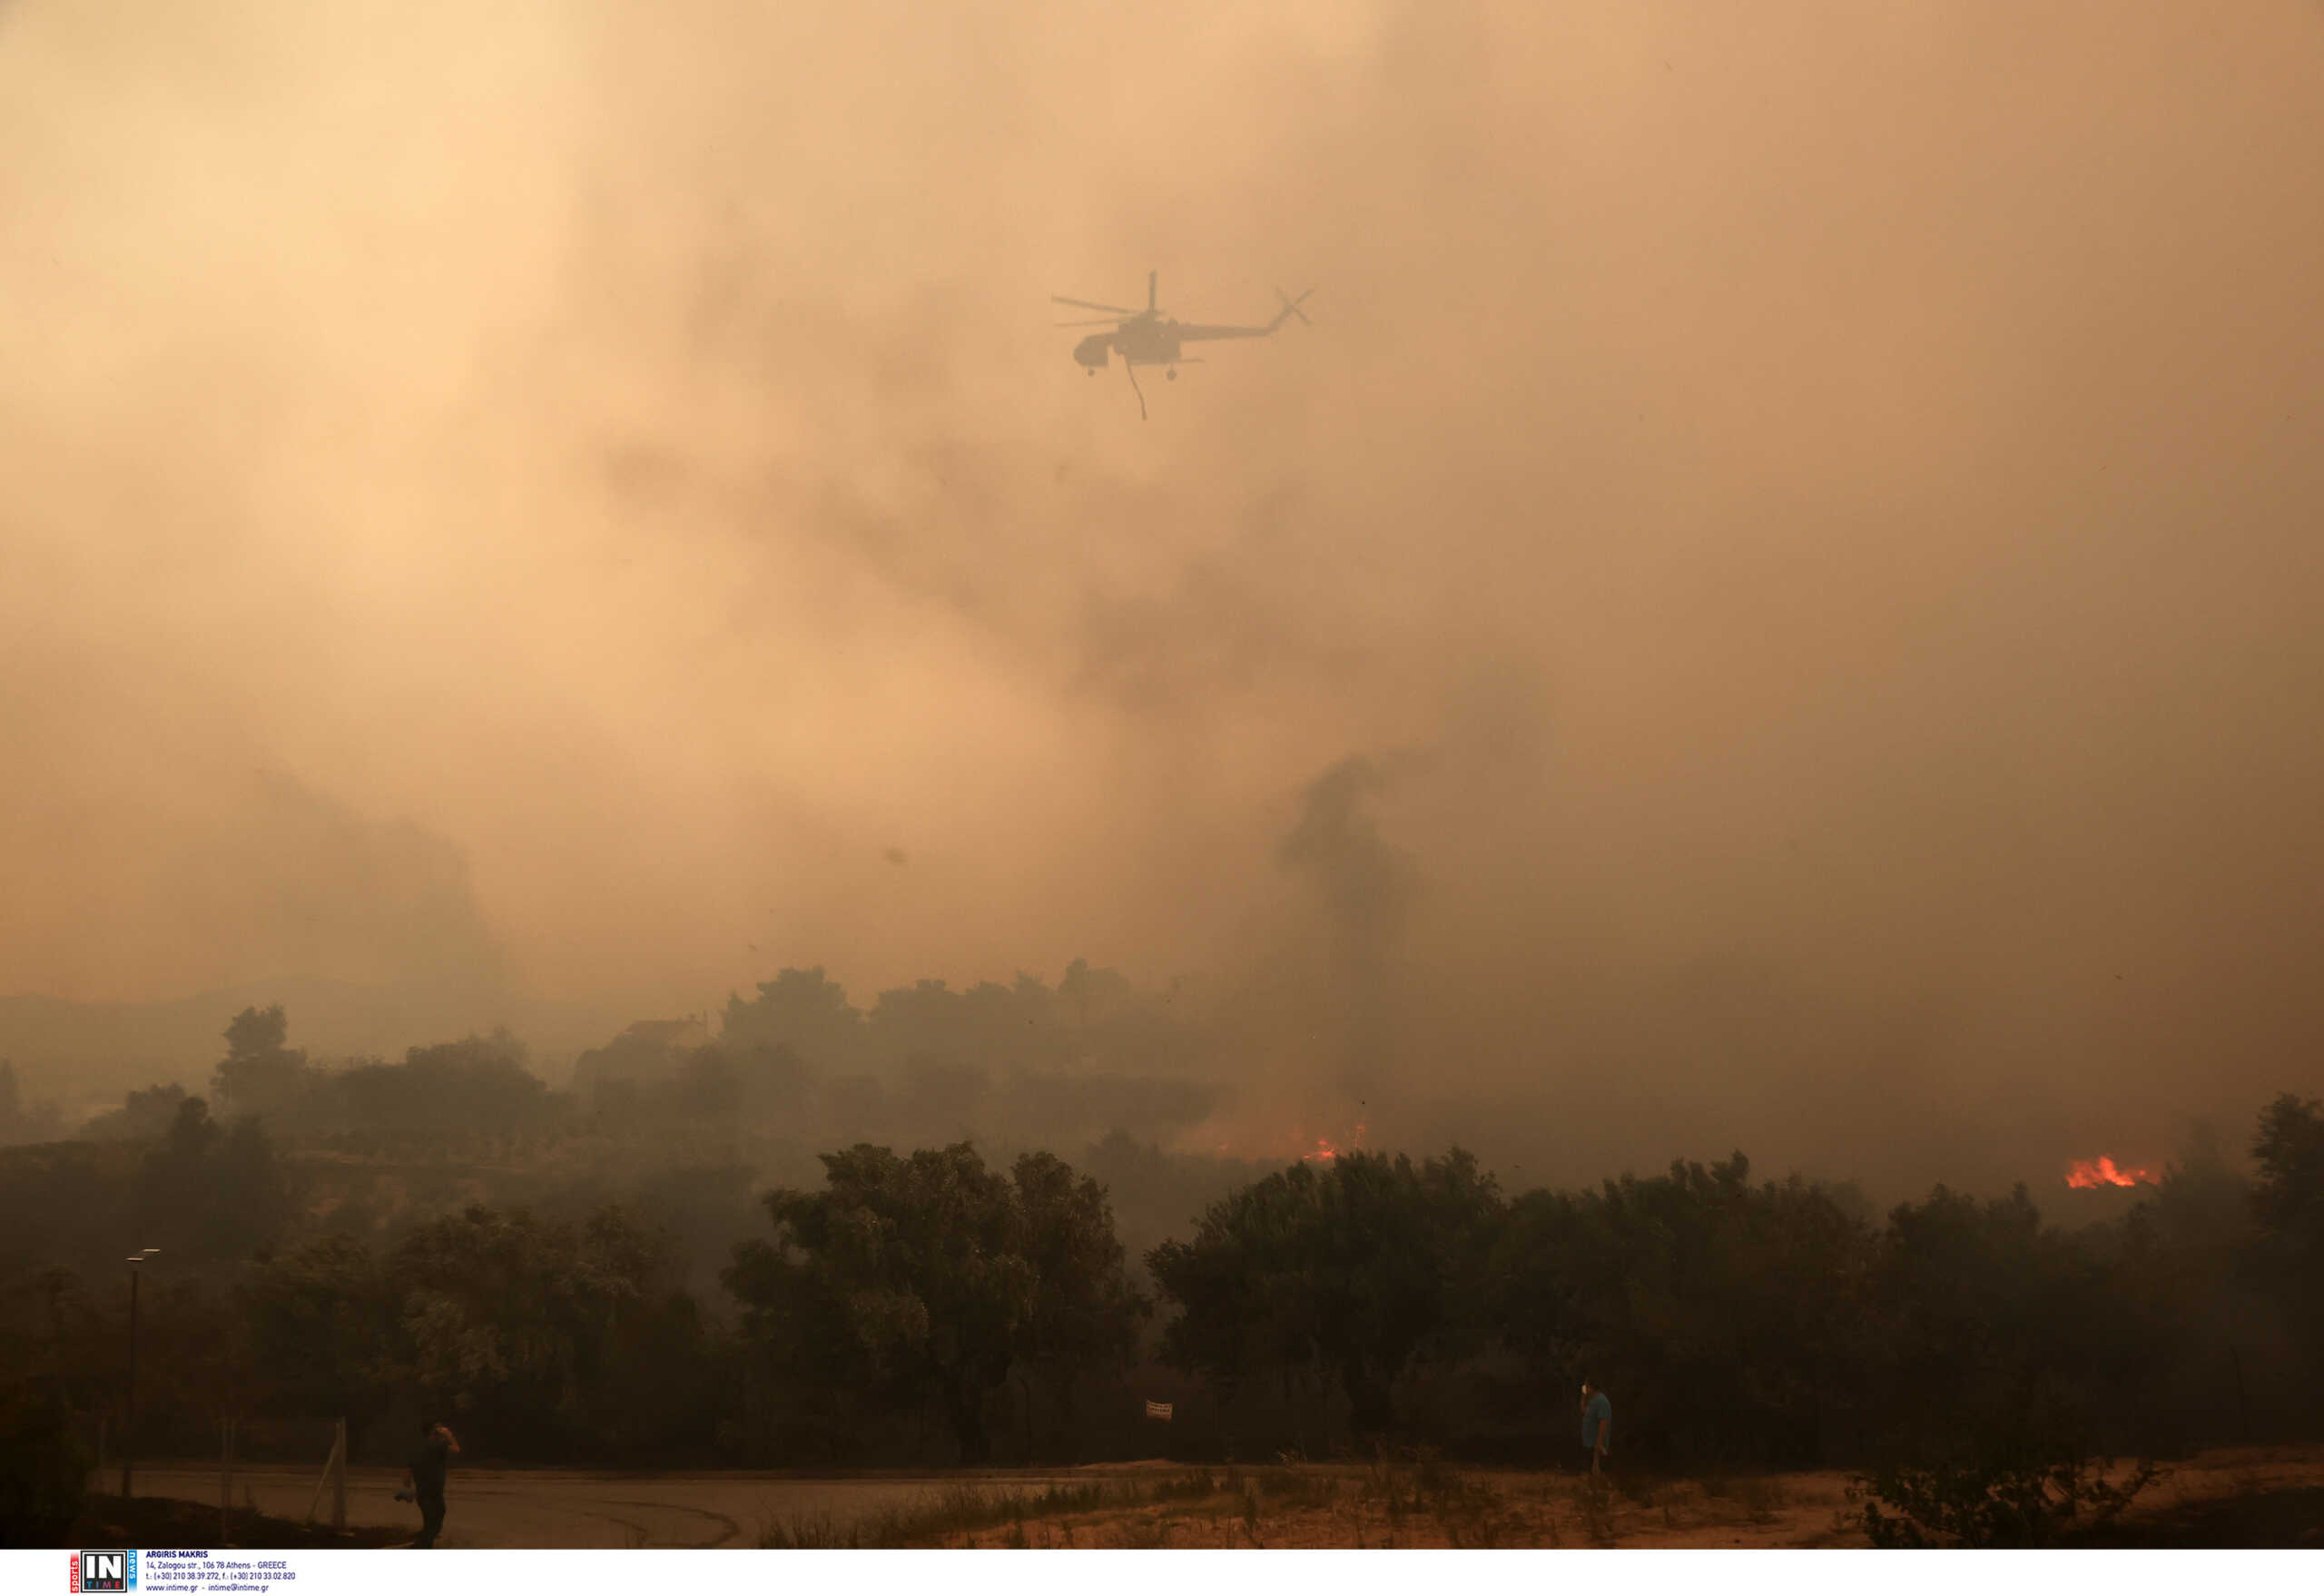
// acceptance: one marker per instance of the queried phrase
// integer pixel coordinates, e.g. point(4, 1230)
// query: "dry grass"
point(1395, 1500)
point(1410, 1499)
point(962, 1508)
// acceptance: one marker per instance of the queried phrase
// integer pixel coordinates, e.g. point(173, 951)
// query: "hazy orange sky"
point(1812, 511)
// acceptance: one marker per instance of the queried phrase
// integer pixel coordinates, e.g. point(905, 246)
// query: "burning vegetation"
point(549, 1272)
point(2085, 1173)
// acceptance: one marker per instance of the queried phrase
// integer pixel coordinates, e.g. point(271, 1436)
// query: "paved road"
point(578, 1508)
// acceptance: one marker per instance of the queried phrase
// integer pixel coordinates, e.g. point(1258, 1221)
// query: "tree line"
point(930, 1307)
point(924, 1063)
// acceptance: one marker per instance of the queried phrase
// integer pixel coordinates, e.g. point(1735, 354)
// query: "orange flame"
point(1326, 1149)
point(2086, 1172)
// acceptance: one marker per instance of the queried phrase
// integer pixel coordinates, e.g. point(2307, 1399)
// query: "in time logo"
point(105, 1572)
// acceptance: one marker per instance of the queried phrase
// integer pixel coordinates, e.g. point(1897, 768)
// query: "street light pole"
point(129, 1413)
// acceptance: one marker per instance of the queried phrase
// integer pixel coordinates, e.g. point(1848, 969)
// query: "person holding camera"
point(432, 1462)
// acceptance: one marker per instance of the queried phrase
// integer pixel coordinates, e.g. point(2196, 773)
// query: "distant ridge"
point(83, 1056)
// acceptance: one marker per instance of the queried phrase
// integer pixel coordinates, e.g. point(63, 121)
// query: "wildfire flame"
point(1326, 1149)
point(2090, 1172)
point(1288, 1137)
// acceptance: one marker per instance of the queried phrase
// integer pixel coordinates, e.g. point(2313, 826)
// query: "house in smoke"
point(649, 1050)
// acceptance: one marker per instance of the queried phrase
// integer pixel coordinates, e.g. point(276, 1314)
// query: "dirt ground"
point(152, 1522)
point(2243, 1497)
point(545, 1508)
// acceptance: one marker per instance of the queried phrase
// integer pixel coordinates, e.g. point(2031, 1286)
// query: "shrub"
point(44, 1468)
point(2011, 1503)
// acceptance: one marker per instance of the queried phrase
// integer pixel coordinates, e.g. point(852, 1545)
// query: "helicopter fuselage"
point(1141, 342)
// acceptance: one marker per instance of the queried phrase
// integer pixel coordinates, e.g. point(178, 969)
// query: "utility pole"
point(129, 1407)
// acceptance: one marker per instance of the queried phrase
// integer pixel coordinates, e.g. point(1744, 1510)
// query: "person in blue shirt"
point(1597, 1424)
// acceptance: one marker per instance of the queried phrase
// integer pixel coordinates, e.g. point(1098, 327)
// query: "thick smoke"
point(1832, 490)
point(1364, 887)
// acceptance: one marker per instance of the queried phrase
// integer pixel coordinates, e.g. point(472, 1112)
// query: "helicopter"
point(1149, 338)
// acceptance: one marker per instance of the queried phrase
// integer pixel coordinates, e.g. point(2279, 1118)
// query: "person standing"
point(1597, 1425)
point(432, 1462)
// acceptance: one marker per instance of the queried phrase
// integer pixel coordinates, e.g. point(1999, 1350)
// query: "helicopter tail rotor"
point(1291, 308)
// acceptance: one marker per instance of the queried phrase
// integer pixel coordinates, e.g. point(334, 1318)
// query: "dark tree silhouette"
point(212, 1192)
point(1354, 1269)
point(260, 1073)
point(1085, 1317)
point(924, 1279)
point(910, 1274)
point(2287, 1197)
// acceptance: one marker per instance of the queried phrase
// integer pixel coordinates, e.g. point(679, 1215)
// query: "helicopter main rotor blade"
point(1093, 305)
point(1100, 321)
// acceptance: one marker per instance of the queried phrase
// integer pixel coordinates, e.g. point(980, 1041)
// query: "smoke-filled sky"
point(1775, 604)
